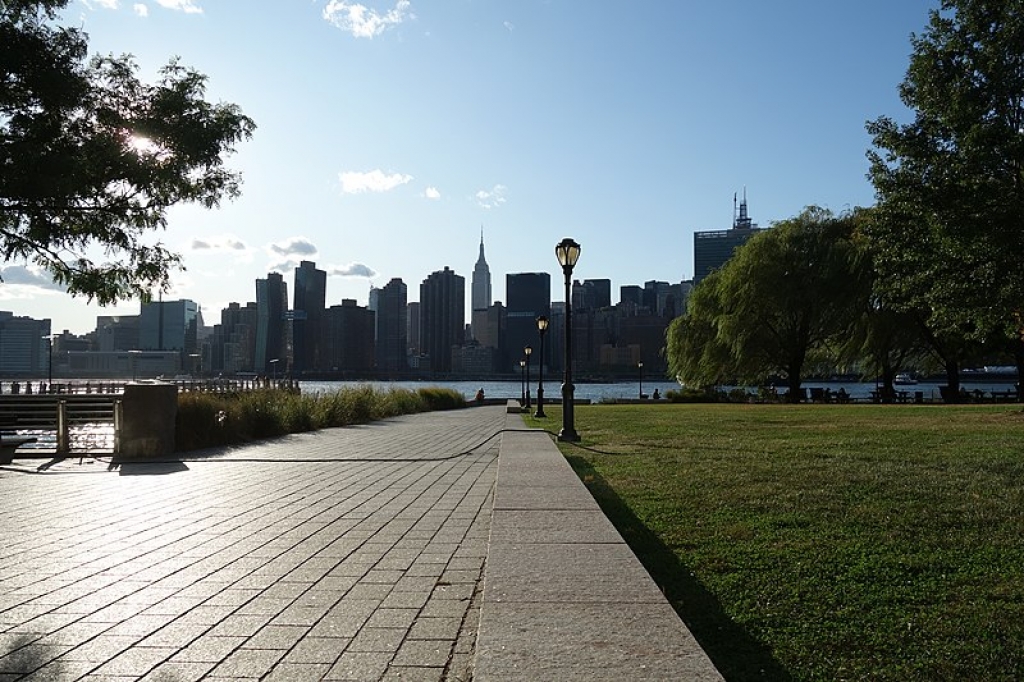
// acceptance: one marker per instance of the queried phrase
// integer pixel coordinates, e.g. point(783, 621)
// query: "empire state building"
point(481, 294)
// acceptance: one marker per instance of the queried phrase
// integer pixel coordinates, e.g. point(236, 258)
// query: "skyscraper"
point(271, 330)
point(442, 316)
point(528, 297)
point(310, 300)
point(348, 345)
point(392, 339)
point(712, 249)
point(481, 296)
point(169, 325)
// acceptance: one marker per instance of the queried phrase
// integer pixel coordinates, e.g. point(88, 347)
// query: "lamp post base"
point(539, 414)
point(568, 436)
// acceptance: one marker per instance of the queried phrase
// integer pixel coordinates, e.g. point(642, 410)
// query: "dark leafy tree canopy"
point(90, 156)
point(951, 183)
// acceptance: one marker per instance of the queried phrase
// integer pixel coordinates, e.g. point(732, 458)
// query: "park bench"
point(9, 439)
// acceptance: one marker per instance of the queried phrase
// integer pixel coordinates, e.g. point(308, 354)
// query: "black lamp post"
point(568, 252)
point(527, 351)
point(522, 382)
point(273, 364)
point(542, 328)
point(640, 366)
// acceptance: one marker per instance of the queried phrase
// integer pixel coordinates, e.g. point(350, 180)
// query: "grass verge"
point(815, 542)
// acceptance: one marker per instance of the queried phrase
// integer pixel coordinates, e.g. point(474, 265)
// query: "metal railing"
point(64, 424)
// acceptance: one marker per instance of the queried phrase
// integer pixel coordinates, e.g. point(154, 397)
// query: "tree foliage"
point(788, 292)
point(950, 183)
point(92, 158)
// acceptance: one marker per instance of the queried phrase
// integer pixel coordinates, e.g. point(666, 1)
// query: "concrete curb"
point(564, 596)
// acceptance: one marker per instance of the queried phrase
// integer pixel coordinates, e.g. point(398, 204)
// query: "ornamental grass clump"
point(217, 419)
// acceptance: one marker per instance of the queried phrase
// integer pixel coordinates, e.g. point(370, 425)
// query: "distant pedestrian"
point(480, 396)
point(657, 394)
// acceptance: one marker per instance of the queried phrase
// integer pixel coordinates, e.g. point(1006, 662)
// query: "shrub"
point(212, 419)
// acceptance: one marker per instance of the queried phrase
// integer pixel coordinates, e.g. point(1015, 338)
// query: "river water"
point(610, 391)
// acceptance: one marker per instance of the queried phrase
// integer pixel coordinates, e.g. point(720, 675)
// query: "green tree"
point(92, 158)
point(790, 291)
point(950, 183)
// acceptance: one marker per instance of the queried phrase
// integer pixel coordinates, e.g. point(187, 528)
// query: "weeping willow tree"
point(791, 291)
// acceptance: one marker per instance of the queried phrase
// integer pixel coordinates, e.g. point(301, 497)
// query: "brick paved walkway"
point(348, 554)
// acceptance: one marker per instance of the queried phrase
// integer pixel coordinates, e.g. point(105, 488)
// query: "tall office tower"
point(233, 349)
point(412, 327)
point(169, 325)
point(481, 297)
point(712, 249)
point(392, 338)
point(24, 346)
point(272, 342)
point(117, 332)
point(528, 297)
point(592, 294)
point(631, 297)
point(309, 302)
point(442, 316)
point(348, 343)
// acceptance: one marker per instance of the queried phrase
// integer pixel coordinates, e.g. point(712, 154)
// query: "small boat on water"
point(904, 380)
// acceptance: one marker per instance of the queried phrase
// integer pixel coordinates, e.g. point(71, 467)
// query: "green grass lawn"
point(820, 542)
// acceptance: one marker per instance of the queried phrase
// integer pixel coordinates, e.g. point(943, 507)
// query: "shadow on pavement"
point(736, 654)
point(161, 468)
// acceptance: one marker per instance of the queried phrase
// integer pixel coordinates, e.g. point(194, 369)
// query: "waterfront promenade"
point(441, 546)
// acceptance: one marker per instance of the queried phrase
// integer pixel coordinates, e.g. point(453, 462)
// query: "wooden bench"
point(9, 440)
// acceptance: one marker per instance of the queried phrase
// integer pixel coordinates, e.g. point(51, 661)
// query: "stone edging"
point(564, 596)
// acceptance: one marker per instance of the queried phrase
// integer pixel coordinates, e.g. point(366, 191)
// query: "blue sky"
point(391, 132)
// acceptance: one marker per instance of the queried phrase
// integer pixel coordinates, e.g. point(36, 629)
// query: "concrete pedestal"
point(148, 413)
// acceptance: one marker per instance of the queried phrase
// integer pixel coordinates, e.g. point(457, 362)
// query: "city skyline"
point(389, 136)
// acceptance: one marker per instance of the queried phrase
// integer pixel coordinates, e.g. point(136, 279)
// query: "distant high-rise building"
point(711, 250)
point(169, 325)
point(481, 296)
point(412, 328)
point(24, 347)
point(348, 345)
point(233, 345)
point(392, 337)
point(309, 302)
point(442, 316)
point(528, 297)
point(117, 332)
point(592, 294)
point(631, 297)
point(271, 329)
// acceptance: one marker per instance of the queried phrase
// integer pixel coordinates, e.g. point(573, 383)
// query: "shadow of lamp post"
point(568, 252)
point(542, 328)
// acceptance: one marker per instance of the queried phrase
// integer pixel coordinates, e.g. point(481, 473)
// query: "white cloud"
point(431, 193)
point(219, 244)
point(491, 198)
point(365, 22)
point(509, 25)
point(19, 282)
point(352, 270)
point(103, 4)
point(372, 181)
point(296, 246)
point(140, 9)
point(186, 6)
